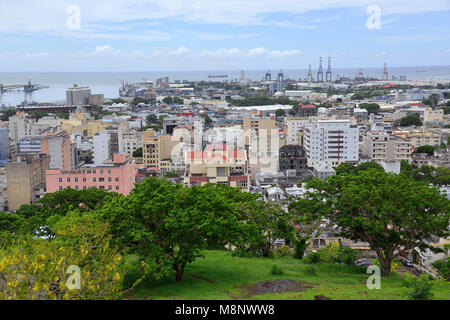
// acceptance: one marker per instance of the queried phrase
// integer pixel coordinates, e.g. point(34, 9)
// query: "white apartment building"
point(20, 127)
point(380, 147)
point(331, 141)
point(132, 140)
point(294, 127)
point(101, 142)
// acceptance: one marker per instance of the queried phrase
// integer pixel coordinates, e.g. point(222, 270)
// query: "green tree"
point(411, 120)
point(393, 213)
point(425, 149)
point(406, 168)
point(370, 107)
point(53, 206)
point(138, 100)
point(152, 118)
point(432, 100)
point(280, 113)
point(167, 100)
point(7, 114)
point(208, 120)
point(138, 153)
point(170, 224)
point(178, 100)
point(266, 222)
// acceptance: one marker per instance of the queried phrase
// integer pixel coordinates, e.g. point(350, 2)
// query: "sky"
point(178, 35)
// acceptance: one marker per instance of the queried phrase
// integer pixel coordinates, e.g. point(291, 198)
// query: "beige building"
point(26, 179)
point(420, 137)
point(293, 129)
point(380, 146)
point(156, 148)
point(217, 165)
point(262, 140)
point(430, 115)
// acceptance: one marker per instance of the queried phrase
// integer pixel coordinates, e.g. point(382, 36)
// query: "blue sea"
point(108, 83)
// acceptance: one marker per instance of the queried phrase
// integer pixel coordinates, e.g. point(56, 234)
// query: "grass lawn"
point(220, 275)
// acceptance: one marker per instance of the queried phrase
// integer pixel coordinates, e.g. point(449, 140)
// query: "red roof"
point(198, 179)
point(307, 106)
point(238, 178)
point(416, 104)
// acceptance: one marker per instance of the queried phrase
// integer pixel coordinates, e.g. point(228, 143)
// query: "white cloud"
point(181, 52)
point(214, 37)
point(51, 15)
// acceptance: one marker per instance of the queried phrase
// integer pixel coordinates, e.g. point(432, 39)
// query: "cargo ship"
point(218, 76)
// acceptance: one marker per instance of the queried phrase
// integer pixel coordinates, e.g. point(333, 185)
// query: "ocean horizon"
point(108, 82)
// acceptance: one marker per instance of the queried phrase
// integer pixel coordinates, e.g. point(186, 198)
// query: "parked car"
point(363, 262)
point(408, 263)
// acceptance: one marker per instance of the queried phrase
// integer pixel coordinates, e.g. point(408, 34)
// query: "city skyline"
point(138, 35)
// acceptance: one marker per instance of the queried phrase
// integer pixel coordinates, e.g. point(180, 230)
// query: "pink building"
point(117, 176)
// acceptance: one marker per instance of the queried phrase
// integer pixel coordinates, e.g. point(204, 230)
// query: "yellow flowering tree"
point(32, 268)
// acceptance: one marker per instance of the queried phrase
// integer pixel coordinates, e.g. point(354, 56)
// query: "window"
point(94, 171)
point(60, 188)
point(76, 179)
point(109, 187)
point(68, 179)
point(109, 179)
point(94, 179)
point(101, 171)
point(117, 187)
point(76, 188)
point(84, 179)
point(109, 171)
point(60, 180)
point(117, 179)
point(101, 179)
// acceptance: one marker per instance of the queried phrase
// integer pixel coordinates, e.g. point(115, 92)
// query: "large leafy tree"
point(411, 120)
point(265, 223)
point(55, 205)
point(169, 224)
point(393, 213)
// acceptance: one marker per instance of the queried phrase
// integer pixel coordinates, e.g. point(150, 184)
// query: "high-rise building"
point(157, 148)
point(262, 143)
point(26, 179)
point(62, 152)
point(4, 146)
point(77, 96)
point(331, 141)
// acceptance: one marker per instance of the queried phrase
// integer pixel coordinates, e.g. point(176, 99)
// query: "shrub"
point(420, 288)
point(330, 253)
point(311, 270)
point(443, 267)
point(276, 271)
point(313, 257)
point(300, 248)
point(284, 251)
point(347, 255)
